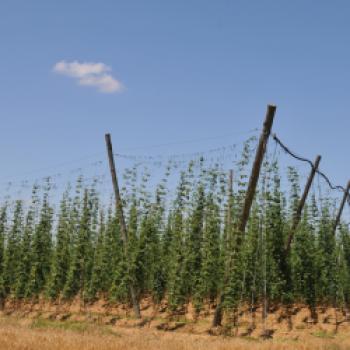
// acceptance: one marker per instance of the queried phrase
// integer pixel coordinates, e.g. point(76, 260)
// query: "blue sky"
point(186, 69)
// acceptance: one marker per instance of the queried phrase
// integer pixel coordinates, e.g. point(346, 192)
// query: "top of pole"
point(270, 115)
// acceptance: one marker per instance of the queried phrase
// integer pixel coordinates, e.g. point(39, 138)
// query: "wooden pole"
point(301, 204)
point(340, 211)
point(259, 156)
point(253, 180)
point(120, 213)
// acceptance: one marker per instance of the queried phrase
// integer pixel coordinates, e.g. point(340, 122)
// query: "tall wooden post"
point(259, 156)
point(254, 177)
point(301, 204)
point(340, 211)
point(120, 213)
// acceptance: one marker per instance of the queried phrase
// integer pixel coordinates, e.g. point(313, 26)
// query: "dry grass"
point(37, 334)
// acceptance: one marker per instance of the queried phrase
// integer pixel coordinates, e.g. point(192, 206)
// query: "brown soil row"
point(281, 323)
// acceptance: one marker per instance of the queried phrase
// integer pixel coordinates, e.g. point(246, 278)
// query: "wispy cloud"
point(90, 74)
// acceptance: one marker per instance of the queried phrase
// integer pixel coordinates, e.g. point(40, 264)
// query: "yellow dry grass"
point(26, 334)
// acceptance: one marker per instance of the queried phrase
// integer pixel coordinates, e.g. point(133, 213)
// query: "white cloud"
point(104, 83)
point(90, 74)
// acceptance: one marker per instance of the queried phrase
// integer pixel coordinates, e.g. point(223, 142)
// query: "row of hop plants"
point(182, 250)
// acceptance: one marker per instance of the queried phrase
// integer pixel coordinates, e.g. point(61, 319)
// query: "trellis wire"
point(323, 175)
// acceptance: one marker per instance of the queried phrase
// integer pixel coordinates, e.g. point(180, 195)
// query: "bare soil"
point(73, 326)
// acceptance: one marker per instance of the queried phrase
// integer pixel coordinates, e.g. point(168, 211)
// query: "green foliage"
point(61, 255)
point(25, 263)
point(209, 268)
point(82, 253)
point(175, 283)
point(181, 247)
point(3, 221)
point(41, 250)
point(304, 259)
point(12, 256)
